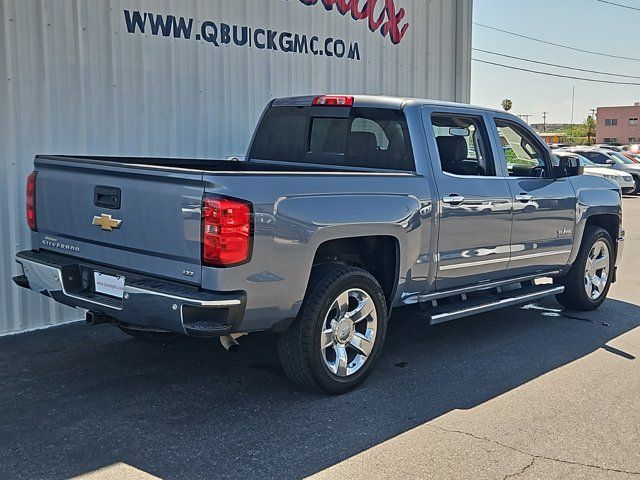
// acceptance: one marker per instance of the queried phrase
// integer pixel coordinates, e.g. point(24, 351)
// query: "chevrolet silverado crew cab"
point(344, 208)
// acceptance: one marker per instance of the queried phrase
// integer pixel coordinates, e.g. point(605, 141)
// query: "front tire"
point(339, 332)
point(587, 284)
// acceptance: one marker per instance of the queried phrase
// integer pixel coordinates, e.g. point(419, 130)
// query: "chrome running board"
point(466, 307)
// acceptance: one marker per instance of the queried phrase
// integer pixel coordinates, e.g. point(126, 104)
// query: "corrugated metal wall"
point(73, 80)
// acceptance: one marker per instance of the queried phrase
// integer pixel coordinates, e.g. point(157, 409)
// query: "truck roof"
point(377, 101)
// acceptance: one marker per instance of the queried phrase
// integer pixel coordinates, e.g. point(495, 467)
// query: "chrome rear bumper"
point(147, 302)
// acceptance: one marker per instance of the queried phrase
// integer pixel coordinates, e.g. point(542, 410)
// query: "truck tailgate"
point(139, 218)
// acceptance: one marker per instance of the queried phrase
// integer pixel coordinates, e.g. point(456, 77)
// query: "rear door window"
point(463, 145)
point(358, 137)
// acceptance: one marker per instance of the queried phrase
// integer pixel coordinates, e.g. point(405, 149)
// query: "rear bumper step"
point(466, 308)
point(147, 302)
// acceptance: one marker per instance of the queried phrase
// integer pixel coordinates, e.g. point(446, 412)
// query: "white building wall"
point(73, 80)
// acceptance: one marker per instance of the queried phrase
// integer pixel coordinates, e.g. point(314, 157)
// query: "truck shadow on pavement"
point(75, 399)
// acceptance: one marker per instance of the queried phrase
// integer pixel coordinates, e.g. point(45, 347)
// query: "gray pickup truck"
point(344, 208)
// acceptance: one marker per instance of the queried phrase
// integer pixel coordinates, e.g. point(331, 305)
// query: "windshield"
point(585, 162)
point(619, 158)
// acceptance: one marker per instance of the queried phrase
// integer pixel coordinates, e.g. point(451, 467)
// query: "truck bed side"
point(295, 216)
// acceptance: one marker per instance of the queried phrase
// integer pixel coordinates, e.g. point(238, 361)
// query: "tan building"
point(618, 125)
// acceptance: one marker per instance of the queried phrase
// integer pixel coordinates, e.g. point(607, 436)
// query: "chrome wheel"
point(596, 272)
point(349, 332)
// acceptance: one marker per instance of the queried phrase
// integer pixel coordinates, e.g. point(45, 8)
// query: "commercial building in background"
point(618, 125)
point(189, 79)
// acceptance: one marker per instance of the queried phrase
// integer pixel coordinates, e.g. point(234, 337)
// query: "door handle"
point(523, 197)
point(453, 199)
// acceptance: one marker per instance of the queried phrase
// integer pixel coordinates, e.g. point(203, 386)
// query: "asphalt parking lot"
point(527, 393)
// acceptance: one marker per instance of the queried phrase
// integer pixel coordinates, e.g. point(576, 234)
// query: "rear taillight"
point(226, 231)
point(31, 201)
point(333, 101)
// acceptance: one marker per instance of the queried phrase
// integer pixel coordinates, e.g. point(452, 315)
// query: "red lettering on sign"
point(388, 21)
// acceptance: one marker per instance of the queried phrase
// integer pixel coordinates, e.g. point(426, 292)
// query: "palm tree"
point(590, 123)
point(507, 104)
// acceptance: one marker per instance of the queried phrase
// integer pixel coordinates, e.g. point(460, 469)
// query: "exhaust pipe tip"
point(229, 343)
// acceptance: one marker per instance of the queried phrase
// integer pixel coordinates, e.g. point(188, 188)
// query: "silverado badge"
point(105, 222)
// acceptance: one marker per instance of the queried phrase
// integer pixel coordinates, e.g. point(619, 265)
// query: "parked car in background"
point(605, 146)
point(634, 148)
point(611, 159)
point(624, 180)
point(634, 157)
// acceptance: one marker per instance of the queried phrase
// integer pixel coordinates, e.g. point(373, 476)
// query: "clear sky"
point(585, 24)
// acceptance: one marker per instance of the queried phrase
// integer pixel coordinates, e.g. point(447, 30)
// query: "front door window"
point(523, 156)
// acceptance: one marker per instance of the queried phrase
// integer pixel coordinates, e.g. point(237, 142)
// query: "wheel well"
point(610, 222)
point(378, 255)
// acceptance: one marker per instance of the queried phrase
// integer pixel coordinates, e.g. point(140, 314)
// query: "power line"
point(554, 64)
point(549, 74)
point(620, 5)
point(556, 44)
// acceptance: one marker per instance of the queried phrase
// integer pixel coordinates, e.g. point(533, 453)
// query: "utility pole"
point(593, 112)
point(573, 103)
point(544, 121)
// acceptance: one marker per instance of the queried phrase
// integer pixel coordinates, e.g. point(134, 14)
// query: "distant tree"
point(507, 104)
point(573, 133)
point(590, 123)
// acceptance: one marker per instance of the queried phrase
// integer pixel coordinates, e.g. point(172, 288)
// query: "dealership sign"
point(383, 16)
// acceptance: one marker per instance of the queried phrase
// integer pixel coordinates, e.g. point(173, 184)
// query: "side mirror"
point(568, 167)
point(610, 161)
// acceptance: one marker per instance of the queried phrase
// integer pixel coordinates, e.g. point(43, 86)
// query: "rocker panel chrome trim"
point(418, 298)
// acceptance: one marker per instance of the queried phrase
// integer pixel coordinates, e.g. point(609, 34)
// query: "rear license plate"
point(111, 285)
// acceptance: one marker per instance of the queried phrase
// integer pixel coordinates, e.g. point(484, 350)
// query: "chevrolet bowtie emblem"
point(107, 223)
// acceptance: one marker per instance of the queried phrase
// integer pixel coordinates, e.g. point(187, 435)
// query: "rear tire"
point(339, 333)
point(150, 336)
point(587, 284)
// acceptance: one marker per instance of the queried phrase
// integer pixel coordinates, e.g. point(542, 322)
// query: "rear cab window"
point(359, 137)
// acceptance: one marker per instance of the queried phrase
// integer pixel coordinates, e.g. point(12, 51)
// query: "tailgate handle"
point(107, 197)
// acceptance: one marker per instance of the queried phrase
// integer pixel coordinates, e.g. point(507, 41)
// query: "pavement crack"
point(533, 455)
point(522, 470)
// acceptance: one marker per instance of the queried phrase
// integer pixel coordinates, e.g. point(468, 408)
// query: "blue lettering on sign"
point(223, 34)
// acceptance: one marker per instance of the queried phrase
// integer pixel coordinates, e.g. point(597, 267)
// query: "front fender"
point(595, 196)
